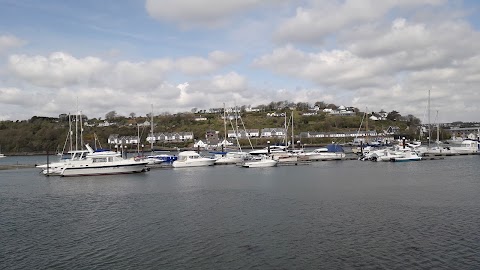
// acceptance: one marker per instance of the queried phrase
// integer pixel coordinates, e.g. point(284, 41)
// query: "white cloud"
point(315, 22)
point(210, 13)
point(57, 70)
point(201, 66)
point(8, 41)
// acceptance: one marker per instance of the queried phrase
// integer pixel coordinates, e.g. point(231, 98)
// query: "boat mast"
point(236, 127)
point(438, 130)
point(224, 127)
point(76, 127)
point(293, 138)
point(138, 139)
point(429, 126)
point(152, 139)
point(285, 138)
point(70, 132)
point(366, 125)
point(81, 130)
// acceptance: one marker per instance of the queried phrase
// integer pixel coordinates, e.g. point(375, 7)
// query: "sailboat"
point(230, 157)
point(1, 155)
point(154, 158)
point(76, 154)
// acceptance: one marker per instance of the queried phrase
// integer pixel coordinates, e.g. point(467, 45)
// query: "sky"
point(129, 55)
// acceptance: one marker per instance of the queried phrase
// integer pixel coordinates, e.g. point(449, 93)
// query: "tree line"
point(40, 134)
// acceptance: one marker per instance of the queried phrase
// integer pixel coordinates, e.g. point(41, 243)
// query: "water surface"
point(340, 214)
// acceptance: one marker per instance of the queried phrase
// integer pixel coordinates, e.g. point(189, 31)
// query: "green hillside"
point(41, 133)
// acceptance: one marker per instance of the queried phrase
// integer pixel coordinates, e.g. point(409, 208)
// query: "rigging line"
point(248, 137)
point(236, 132)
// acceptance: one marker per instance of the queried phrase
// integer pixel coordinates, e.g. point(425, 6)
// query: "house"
point(211, 136)
point(105, 124)
point(200, 144)
point(113, 139)
point(392, 130)
point(200, 118)
point(116, 139)
point(170, 137)
point(273, 132)
point(275, 114)
point(249, 109)
point(242, 134)
point(144, 124)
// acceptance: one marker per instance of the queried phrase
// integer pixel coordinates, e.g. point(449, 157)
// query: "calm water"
point(343, 215)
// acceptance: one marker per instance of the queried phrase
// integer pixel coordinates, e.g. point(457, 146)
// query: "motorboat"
point(266, 150)
point(165, 158)
point(406, 154)
point(153, 161)
point(103, 163)
point(386, 154)
point(467, 146)
point(226, 158)
point(332, 151)
point(55, 168)
point(265, 161)
point(192, 159)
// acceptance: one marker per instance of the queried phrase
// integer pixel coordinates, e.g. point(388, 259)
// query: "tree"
point(111, 115)
point(321, 105)
point(393, 116)
point(194, 110)
point(132, 115)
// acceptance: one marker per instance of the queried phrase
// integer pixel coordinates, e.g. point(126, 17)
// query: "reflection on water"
point(347, 214)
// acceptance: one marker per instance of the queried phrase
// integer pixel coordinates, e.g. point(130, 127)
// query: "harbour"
point(339, 214)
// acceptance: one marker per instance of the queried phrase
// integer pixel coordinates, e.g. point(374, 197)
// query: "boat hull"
point(260, 164)
point(228, 161)
point(193, 163)
point(406, 159)
point(105, 169)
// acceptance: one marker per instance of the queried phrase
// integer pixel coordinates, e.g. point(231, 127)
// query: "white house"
point(200, 144)
point(273, 132)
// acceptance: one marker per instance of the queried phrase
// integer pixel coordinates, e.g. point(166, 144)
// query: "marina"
point(407, 215)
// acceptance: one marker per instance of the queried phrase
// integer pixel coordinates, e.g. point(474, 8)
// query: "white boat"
point(406, 154)
point(273, 149)
point(467, 146)
point(102, 163)
point(385, 155)
point(55, 168)
point(227, 158)
point(2, 155)
point(192, 159)
point(151, 160)
point(332, 151)
point(265, 161)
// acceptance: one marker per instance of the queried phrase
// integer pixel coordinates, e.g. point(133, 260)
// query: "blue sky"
point(177, 55)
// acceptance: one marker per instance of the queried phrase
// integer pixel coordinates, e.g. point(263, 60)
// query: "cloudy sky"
point(125, 55)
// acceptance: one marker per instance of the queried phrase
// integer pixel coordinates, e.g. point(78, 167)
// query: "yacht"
point(102, 163)
point(332, 151)
point(192, 159)
point(165, 158)
point(406, 154)
point(273, 149)
point(265, 161)
point(1, 155)
point(226, 158)
point(467, 146)
point(55, 168)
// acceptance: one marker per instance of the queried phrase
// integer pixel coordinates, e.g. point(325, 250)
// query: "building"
point(273, 132)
